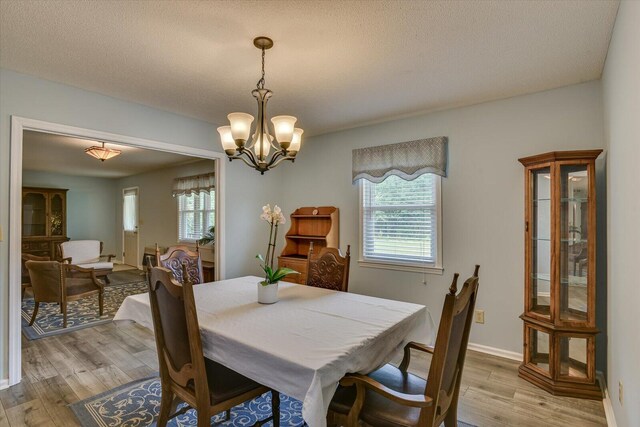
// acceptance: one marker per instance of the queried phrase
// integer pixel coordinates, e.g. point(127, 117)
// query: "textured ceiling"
point(335, 64)
point(46, 152)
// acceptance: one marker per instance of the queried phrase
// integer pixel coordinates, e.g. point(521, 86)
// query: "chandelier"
point(102, 153)
point(285, 139)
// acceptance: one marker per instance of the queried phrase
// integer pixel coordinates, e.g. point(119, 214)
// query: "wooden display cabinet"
point(319, 225)
point(44, 220)
point(560, 266)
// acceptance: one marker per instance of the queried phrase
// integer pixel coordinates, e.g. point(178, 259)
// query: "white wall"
point(158, 209)
point(621, 93)
point(483, 200)
point(91, 205)
point(33, 98)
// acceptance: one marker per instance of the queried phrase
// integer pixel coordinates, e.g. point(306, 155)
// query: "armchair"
point(86, 254)
point(52, 282)
point(26, 280)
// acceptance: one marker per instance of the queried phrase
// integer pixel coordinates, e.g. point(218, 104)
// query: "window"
point(400, 224)
point(129, 210)
point(196, 214)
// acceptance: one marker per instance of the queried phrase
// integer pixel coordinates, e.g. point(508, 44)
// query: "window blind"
point(196, 214)
point(400, 220)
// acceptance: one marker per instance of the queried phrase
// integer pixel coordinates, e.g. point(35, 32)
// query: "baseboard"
point(4, 383)
point(506, 354)
point(606, 400)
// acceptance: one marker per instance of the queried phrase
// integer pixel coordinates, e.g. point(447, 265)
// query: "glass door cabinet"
point(559, 312)
point(44, 223)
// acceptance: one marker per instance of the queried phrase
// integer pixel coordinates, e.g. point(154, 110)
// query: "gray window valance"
point(194, 184)
point(407, 160)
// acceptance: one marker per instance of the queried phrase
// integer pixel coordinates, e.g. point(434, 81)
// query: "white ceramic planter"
point(267, 294)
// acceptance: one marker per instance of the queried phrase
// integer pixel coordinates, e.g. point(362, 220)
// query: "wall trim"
point(18, 126)
point(506, 354)
point(606, 400)
point(4, 383)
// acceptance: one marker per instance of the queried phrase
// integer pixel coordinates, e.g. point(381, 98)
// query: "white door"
point(130, 226)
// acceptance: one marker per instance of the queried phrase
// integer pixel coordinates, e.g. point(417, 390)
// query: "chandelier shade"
point(253, 148)
point(102, 153)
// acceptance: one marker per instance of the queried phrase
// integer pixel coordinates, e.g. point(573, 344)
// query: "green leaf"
point(281, 273)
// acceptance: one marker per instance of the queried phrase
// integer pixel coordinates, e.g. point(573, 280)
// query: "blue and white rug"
point(80, 314)
point(138, 404)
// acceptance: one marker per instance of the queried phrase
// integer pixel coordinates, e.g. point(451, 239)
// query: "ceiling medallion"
point(285, 139)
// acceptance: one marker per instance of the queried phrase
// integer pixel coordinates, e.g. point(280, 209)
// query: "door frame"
point(137, 225)
point(18, 126)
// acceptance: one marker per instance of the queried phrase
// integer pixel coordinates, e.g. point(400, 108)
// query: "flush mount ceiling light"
point(255, 151)
point(102, 153)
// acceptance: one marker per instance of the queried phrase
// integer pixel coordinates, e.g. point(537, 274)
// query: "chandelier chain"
point(260, 84)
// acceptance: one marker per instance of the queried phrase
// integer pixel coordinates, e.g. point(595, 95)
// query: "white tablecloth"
point(303, 344)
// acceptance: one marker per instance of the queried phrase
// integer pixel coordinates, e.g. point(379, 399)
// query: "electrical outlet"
point(620, 390)
point(479, 316)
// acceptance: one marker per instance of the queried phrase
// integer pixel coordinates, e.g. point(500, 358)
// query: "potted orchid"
point(268, 288)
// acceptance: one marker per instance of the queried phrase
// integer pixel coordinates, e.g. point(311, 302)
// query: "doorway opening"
point(125, 203)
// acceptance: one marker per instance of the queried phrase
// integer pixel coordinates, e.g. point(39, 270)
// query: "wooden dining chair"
point(328, 269)
point(26, 279)
point(176, 257)
point(185, 374)
point(53, 281)
point(392, 396)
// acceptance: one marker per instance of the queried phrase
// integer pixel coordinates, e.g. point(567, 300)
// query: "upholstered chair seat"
point(226, 384)
point(378, 410)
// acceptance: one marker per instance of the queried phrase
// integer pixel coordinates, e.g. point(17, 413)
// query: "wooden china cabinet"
point(319, 225)
point(44, 220)
point(560, 273)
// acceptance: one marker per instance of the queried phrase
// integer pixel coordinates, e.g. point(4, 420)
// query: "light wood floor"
point(66, 368)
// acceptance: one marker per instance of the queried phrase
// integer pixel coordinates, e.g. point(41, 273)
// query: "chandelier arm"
point(252, 157)
point(275, 164)
point(247, 162)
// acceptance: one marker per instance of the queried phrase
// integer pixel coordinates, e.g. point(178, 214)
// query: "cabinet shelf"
point(307, 237)
point(310, 216)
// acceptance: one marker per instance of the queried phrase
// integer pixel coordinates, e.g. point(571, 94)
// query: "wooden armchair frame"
point(439, 402)
point(60, 293)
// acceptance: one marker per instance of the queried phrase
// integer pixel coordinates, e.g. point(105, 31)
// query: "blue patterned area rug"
point(80, 314)
point(138, 404)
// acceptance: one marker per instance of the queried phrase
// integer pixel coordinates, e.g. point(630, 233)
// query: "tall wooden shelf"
point(560, 273)
point(317, 225)
point(44, 220)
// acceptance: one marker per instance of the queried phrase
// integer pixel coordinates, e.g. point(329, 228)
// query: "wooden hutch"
point(319, 225)
point(44, 220)
point(560, 273)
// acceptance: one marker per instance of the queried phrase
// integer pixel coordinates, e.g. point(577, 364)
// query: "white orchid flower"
point(277, 210)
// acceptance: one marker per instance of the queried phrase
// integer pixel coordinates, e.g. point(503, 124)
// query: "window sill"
point(414, 268)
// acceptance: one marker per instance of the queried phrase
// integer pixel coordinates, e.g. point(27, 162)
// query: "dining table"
point(301, 345)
